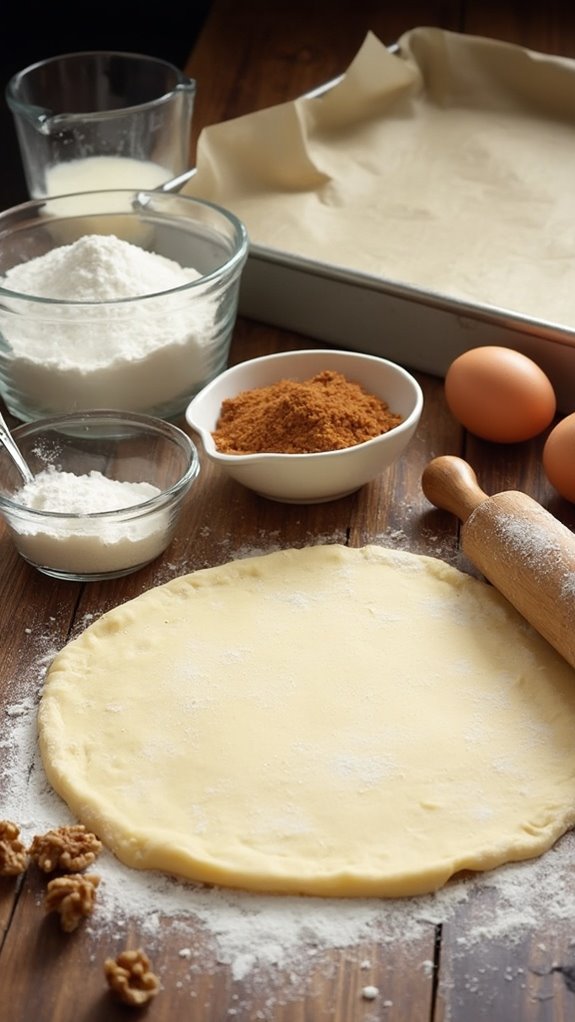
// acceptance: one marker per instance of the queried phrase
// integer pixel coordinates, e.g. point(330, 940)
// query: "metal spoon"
point(141, 198)
point(14, 451)
point(175, 183)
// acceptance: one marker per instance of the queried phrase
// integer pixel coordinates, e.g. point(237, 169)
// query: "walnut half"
point(73, 897)
point(66, 848)
point(130, 978)
point(13, 855)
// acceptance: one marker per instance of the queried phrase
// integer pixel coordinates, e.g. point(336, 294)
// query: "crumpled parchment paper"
point(449, 165)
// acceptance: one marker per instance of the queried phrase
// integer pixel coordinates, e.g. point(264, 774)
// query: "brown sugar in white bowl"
point(319, 476)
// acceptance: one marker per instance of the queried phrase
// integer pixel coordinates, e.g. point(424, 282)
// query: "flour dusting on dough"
point(289, 937)
point(300, 745)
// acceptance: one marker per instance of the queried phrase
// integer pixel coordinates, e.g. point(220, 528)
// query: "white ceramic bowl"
point(84, 542)
point(311, 478)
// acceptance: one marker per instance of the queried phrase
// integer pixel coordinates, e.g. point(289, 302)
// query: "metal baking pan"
point(421, 330)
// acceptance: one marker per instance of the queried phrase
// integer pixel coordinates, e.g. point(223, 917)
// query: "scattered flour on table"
point(108, 351)
point(369, 993)
point(268, 542)
point(276, 943)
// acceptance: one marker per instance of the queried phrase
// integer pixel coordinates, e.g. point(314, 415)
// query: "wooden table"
point(248, 57)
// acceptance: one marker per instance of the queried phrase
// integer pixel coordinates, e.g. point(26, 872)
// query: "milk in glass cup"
point(101, 120)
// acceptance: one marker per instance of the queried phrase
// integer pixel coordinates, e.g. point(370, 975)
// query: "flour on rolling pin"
point(526, 553)
point(541, 550)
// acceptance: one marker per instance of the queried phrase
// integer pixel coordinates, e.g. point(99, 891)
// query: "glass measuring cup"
point(99, 120)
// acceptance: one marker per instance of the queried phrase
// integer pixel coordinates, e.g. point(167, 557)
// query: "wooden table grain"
point(249, 56)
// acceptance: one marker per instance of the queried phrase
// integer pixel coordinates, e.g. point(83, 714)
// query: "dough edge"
point(151, 850)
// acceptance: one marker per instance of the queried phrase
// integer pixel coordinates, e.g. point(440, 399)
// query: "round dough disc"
point(327, 721)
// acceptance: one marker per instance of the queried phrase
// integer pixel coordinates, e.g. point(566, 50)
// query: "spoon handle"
point(14, 451)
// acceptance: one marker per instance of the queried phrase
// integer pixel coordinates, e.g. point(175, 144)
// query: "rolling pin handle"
point(450, 483)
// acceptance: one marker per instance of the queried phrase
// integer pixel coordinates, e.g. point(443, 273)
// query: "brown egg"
point(499, 394)
point(559, 457)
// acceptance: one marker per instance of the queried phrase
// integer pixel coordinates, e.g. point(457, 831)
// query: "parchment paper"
point(449, 166)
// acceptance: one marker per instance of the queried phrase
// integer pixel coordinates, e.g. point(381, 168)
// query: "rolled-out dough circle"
point(326, 721)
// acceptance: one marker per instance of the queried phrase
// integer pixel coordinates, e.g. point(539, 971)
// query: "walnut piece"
point(66, 848)
point(73, 897)
point(130, 978)
point(13, 855)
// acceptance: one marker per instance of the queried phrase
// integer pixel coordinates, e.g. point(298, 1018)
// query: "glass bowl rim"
point(234, 260)
point(160, 500)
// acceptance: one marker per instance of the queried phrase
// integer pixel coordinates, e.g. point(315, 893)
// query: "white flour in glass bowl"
point(137, 355)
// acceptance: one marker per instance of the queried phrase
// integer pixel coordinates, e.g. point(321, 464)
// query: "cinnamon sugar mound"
point(325, 413)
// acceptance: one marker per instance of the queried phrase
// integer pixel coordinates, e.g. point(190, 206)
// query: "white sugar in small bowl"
point(83, 463)
point(318, 477)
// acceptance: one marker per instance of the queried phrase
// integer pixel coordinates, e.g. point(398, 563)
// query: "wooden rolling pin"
point(526, 553)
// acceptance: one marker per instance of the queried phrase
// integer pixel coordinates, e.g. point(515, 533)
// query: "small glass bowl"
point(147, 353)
point(100, 544)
